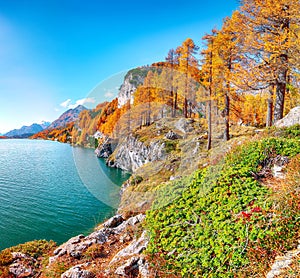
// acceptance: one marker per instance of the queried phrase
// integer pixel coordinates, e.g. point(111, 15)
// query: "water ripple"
point(41, 194)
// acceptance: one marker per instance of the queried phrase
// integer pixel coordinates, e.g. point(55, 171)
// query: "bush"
point(226, 223)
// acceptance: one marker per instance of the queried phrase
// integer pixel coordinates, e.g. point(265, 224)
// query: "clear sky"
point(54, 52)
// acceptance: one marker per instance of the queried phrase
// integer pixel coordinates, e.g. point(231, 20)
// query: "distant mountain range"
point(69, 116)
point(27, 131)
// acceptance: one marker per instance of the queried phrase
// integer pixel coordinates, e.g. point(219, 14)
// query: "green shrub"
point(170, 145)
point(225, 220)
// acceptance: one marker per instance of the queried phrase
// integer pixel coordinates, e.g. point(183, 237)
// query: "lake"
point(51, 190)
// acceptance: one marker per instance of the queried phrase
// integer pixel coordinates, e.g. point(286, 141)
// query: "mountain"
point(67, 117)
point(44, 124)
point(25, 131)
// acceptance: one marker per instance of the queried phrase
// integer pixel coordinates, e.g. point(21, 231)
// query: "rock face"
point(128, 261)
point(131, 154)
point(104, 150)
point(132, 80)
point(292, 118)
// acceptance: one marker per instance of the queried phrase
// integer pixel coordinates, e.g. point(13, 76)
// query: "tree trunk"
point(269, 112)
point(172, 103)
point(175, 103)
point(280, 91)
point(209, 124)
point(185, 107)
point(226, 117)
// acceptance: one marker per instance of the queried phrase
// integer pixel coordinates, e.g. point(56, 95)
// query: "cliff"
point(130, 154)
point(132, 80)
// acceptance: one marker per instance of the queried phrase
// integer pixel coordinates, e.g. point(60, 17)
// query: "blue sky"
point(54, 52)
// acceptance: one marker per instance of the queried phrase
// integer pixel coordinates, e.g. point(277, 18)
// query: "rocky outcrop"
point(76, 246)
point(292, 118)
point(131, 154)
point(133, 262)
point(104, 149)
point(22, 266)
point(136, 247)
point(132, 80)
point(126, 261)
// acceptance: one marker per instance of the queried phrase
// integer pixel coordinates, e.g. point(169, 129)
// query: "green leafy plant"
point(225, 221)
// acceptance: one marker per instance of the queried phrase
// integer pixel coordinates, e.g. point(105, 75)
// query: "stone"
point(78, 271)
point(171, 135)
point(21, 266)
point(105, 149)
point(184, 125)
point(143, 268)
point(292, 118)
point(75, 246)
point(20, 270)
point(134, 266)
point(113, 221)
point(129, 268)
point(134, 248)
point(132, 221)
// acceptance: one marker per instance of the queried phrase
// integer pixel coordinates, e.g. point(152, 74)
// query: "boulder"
point(113, 221)
point(20, 270)
point(184, 125)
point(292, 118)
point(171, 135)
point(135, 266)
point(129, 268)
point(78, 271)
point(282, 262)
point(22, 265)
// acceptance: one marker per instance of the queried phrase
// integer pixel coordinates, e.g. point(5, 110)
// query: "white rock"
point(292, 118)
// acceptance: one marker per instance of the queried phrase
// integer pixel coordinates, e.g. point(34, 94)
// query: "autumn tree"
point(172, 62)
point(208, 78)
point(271, 45)
point(188, 73)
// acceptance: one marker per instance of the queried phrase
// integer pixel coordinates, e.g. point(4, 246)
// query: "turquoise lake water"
point(50, 190)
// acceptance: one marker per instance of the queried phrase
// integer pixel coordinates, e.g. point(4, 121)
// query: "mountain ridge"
point(26, 131)
point(71, 115)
